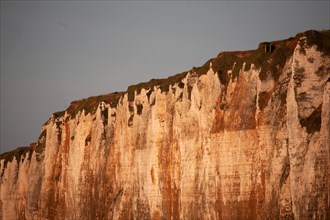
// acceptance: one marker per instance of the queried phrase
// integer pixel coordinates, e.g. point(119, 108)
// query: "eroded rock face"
point(221, 142)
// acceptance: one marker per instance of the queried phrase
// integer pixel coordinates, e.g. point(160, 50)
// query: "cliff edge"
point(245, 136)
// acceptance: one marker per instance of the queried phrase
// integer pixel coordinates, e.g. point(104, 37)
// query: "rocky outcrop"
point(245, 136)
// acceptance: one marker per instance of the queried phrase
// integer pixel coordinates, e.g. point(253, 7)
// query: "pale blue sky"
point(54, 52)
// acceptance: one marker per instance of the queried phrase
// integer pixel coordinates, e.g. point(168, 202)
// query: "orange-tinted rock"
point(245, 136)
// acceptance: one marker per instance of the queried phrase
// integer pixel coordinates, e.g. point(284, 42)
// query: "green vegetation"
point(319, 38)
point(164, 85)
point(17, 154)
point(90, 104)
point(59, 114)
point(202, 69)
point(270, 64)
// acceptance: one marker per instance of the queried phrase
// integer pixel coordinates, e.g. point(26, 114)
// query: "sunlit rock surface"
point(245, 136)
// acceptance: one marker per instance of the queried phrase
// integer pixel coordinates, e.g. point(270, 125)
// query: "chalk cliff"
point(245, 136)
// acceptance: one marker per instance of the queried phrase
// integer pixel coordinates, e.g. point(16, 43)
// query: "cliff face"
point(245, 136)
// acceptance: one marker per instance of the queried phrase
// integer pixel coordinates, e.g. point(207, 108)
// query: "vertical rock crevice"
point(245, 136)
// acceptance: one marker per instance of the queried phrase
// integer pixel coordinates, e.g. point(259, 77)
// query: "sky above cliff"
point(54, 52)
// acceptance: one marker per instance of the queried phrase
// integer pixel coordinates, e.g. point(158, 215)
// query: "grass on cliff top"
point(38, 147)
point(17, 154)
point(164, 85)
point(91, 103)
point(271, 65)
point(319, 38)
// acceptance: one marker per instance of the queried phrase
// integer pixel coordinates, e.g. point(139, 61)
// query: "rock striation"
point(245, 136)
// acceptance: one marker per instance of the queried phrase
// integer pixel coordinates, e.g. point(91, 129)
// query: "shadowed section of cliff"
point(244, 136)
